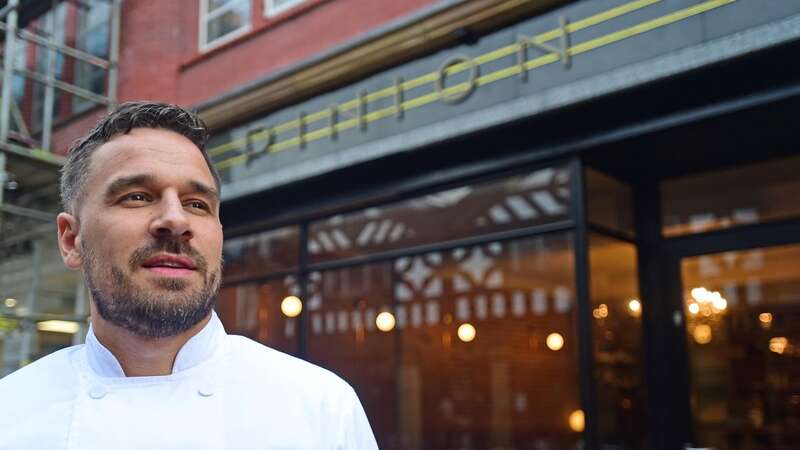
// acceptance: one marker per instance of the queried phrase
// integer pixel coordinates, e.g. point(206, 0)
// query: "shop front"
point(602, 254)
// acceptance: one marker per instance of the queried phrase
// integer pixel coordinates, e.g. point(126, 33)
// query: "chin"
point(173, 284)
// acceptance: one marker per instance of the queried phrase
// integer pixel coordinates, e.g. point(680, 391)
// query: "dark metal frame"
point(586, 349)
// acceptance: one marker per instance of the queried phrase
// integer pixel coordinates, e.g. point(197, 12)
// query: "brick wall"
point(160, 57)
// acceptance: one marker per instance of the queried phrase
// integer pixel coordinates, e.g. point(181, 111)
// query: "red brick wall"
point(160, 57)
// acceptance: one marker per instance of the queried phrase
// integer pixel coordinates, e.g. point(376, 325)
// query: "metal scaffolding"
point(29, 174)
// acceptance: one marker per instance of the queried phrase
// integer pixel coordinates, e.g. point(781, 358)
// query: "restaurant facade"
point(574, 229)
point(573, 232)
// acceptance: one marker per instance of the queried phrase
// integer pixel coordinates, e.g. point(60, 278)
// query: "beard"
point(169, 309)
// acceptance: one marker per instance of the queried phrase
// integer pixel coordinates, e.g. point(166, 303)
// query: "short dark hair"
point(122, 120)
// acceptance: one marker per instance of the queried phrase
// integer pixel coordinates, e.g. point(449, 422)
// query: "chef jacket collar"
point(197, 349)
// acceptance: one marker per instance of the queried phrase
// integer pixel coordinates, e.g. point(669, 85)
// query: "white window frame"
point(270, 10)
point(205, 17)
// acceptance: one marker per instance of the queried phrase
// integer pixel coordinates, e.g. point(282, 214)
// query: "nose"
point(171, 221)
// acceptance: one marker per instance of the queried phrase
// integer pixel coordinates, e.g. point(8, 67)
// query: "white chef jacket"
point(225, 392)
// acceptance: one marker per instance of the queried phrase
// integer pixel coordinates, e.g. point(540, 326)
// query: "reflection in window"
point(19, 85)
point(727, 198)
point(742, 313)
point(93, 37)
point(261, 254)
point(465, 348)
point(254, 310)
point(58, 14)
point(617, 336)
point(525, 200)
point(223, 20)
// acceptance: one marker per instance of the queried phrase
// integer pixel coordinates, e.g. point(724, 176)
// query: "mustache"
point(167, 246)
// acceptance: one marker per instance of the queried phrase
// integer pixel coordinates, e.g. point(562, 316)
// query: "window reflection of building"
point(94, 23)
point(498, 389)
point(516, 202)
point(733, 197)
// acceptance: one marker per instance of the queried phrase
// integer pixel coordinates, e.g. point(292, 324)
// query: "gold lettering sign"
point(555, 45)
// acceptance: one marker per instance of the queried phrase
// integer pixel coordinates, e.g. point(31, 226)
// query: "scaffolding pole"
point(49, 89)
point(3, 178)
point(113, 56)
point(8, 68)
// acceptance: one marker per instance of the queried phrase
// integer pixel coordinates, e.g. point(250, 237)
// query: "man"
point(141, 221)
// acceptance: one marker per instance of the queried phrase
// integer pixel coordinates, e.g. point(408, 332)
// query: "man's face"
point(149, 234)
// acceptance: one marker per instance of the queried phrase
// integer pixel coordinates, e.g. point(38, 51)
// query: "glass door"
point(741, 311)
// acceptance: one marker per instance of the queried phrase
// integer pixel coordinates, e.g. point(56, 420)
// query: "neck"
point(142, 356)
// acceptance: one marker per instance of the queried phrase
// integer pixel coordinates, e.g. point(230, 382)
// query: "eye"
point(135, 197)
point(197, 204)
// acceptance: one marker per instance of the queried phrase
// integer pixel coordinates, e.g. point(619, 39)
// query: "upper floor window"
point(222, 20)
point(275, 7)
point(94, 24)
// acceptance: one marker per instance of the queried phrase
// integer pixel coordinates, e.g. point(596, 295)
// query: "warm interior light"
point(778, 345)
point(635, 307)
point(466, 332)
point(700, 294)
point(708, 302)
point(577, 421)
point(703, 295)
point(291, 306)
point(385, 321)
point(765, 317)
point(702, 334)
point(11, 302)
point(554, 341)
point(601, 312)
point(59, 326)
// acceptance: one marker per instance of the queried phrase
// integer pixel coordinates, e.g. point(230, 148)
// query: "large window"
point(454, 314)
point(472, 347)
point(223, 20)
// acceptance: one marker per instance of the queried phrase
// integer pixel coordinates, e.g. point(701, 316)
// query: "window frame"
point(204, 17)
point(270, 10)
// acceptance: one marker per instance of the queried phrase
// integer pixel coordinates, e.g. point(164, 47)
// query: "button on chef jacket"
point(225, 392)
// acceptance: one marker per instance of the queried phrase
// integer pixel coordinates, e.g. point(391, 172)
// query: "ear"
point(68, 240)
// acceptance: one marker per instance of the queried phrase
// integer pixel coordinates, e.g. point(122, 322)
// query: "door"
point(739, 305)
